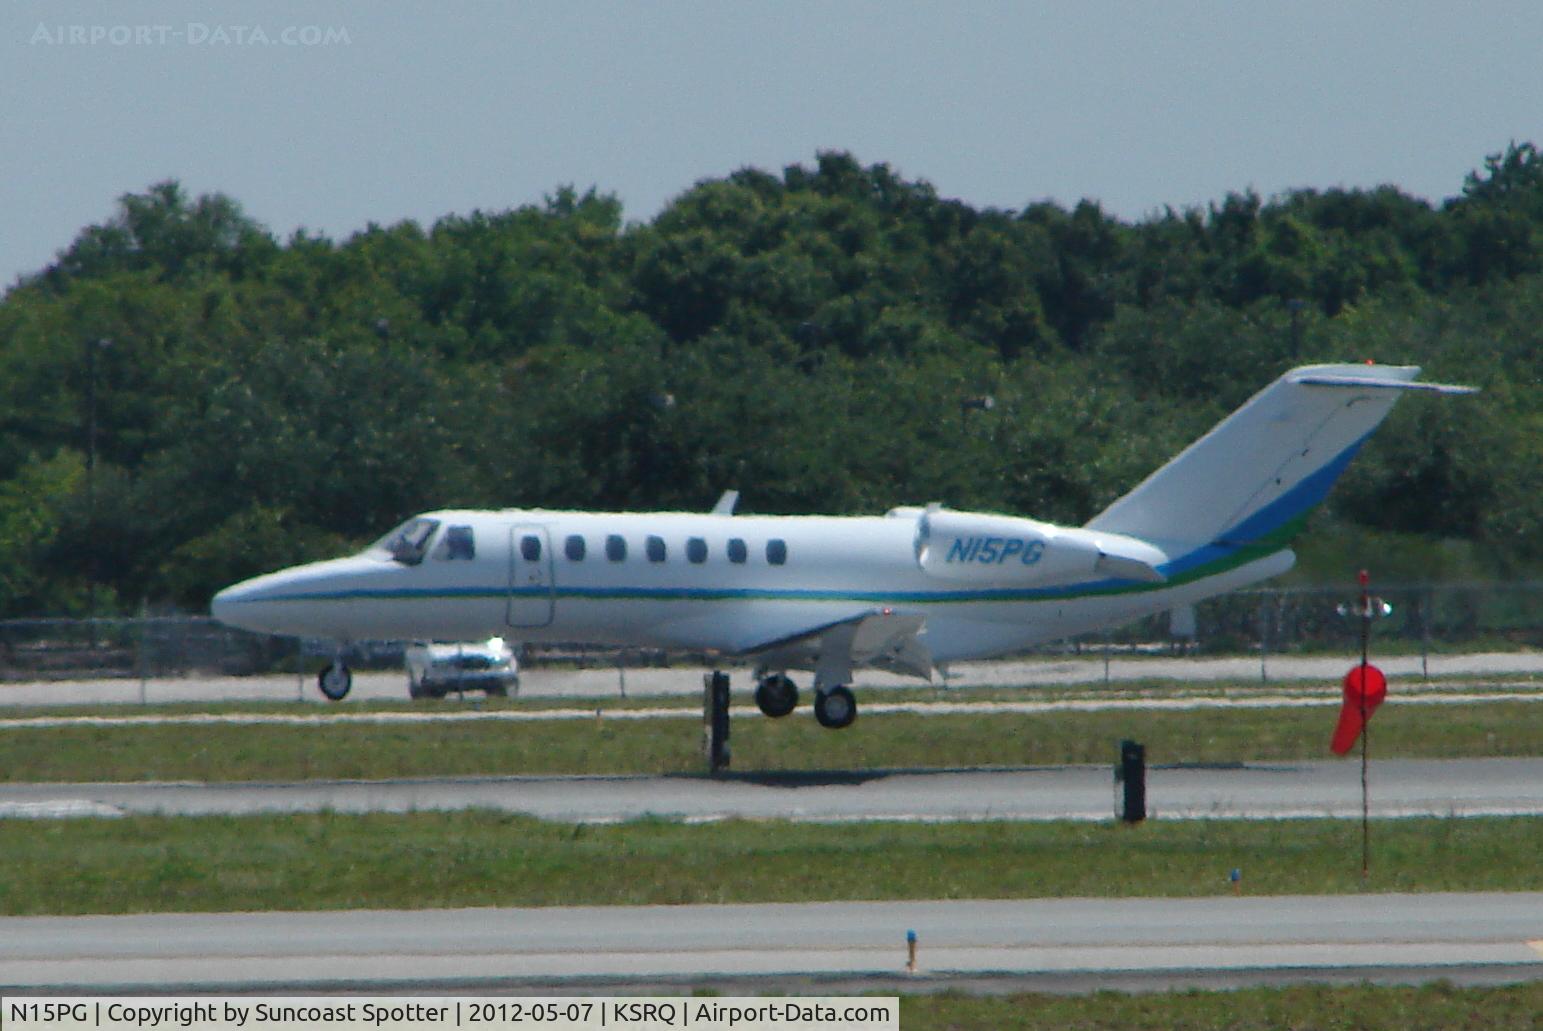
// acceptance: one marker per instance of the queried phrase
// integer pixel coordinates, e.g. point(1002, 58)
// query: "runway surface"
point(602, 682)
point(1399, 787)
point(1465, 937)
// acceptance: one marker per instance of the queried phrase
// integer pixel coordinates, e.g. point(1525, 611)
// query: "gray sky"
point(419, 110)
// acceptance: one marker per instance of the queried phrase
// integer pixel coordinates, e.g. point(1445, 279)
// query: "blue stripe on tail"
point(1302, 498)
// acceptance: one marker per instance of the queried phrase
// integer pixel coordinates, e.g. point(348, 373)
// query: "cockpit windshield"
point(409, 542)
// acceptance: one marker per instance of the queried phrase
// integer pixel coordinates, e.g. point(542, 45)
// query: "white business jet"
point(908, 591)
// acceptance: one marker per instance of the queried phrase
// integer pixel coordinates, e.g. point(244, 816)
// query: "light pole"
point(1295, 306)
point(93, 572)
point(981, 403)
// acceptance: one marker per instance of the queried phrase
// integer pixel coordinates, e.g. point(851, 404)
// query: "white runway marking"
point(59, 809)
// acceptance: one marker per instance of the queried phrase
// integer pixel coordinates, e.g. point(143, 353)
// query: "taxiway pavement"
point(1399, 787)
point(611, 681)
point(1491, 936)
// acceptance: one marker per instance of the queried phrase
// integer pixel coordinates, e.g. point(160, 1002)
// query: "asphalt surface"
point(601, 682)
point(1399, 787)
point(1487, 937)
point(835, 948)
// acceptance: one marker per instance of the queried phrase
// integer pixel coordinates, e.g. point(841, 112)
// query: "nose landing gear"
point(335, 680)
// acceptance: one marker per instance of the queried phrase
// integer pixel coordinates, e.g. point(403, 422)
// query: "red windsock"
point(1362, 696)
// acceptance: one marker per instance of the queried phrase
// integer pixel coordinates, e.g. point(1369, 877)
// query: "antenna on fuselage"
point(726, 503)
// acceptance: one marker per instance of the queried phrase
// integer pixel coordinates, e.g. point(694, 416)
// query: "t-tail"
point(1247, 486)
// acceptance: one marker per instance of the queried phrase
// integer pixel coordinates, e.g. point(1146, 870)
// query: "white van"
point(435, 670)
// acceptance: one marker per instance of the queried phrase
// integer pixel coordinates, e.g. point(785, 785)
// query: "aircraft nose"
point(233, 605)
point(303, 601)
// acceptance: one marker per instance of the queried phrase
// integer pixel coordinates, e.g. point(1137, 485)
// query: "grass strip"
point(435, 860)
point(1365, 1007)
point(352, 751)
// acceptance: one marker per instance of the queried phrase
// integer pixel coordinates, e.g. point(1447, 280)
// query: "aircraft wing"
point(880, 639)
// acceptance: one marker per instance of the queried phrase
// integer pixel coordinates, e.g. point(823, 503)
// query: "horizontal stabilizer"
point(1323, 380)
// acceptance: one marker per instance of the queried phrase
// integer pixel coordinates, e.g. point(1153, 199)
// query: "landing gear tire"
point(776, 695)
point(334, 681)
point(835, 708)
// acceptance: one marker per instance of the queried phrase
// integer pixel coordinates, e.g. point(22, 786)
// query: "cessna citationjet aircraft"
point(907, 591)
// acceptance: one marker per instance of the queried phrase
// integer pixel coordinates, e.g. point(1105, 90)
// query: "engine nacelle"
point(975, 548)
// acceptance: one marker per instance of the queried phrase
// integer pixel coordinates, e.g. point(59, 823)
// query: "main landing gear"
point(776, 695)
point(835, 708)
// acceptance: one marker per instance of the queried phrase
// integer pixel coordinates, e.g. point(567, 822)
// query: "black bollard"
point(1131, 774)
point(715, 716)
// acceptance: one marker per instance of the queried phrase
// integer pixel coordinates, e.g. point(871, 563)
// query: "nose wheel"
point(335, 680)
point(835, 708)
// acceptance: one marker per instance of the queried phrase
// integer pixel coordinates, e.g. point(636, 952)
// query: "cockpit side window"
point(458, 542)
point(409, 542)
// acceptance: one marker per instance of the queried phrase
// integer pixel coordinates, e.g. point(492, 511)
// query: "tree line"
point(186, 400)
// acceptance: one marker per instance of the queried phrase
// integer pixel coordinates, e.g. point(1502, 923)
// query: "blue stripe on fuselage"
point(1305, 495)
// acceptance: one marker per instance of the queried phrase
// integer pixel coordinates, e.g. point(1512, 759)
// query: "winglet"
point(726, 503)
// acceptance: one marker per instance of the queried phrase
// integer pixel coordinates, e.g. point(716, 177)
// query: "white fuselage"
point(905, 591)
point(727, 583)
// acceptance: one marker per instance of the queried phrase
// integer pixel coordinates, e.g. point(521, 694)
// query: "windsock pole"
point(1366, 822)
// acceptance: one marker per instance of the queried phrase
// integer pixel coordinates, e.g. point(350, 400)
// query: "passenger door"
point(532, 600)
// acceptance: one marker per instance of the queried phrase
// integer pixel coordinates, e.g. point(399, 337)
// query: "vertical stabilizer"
point(1256, 475)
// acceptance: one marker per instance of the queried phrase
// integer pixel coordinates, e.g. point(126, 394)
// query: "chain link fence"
point(1303, 620)
point(1425, 619)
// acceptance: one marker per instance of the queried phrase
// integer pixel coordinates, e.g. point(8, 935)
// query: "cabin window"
point(573, 547)
point(530, 548)
point(777, 552)
point(409, 542)
point(656, 549)
point(696, 550)
point(458, 543)
point(737, 551)
point(616, 548)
